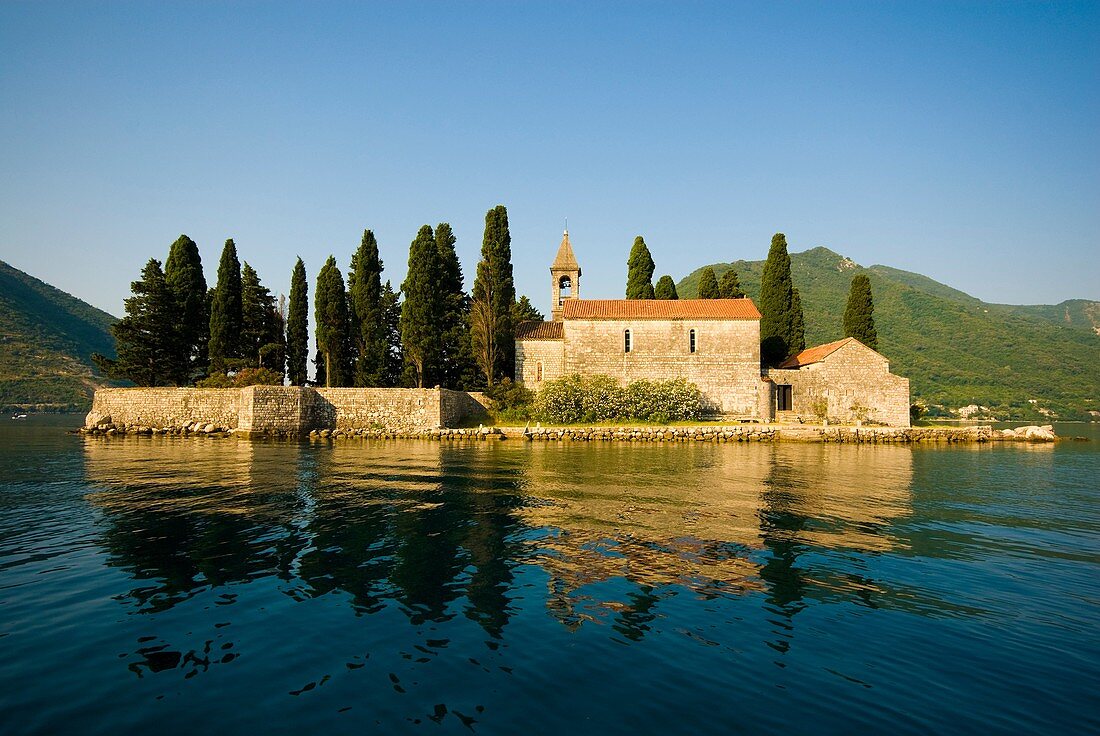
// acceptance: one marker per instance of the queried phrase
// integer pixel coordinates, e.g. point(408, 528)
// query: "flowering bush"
point(576, 398)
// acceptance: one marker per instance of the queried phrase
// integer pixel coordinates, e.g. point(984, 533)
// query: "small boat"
point(19, 416)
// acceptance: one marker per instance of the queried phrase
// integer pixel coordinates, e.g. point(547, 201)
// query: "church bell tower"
point(565, 278)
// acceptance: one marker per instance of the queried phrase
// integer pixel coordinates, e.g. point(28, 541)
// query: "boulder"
point(1040, 434)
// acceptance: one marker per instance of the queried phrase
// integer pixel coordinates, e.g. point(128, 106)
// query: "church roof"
point(702, 309)
point(817, 353)
point(565, 260)
point(539, 331)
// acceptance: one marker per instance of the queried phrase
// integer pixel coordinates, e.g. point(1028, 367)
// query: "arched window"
point(691, 341)
point(538, 371)
point(626, 341)
point(565, 289)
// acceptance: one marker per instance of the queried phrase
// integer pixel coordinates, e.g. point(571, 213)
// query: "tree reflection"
point(441, 531)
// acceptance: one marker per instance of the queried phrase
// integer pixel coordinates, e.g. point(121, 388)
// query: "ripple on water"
point(158, 582)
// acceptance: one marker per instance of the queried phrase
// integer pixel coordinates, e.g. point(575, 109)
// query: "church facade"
point(713, 343)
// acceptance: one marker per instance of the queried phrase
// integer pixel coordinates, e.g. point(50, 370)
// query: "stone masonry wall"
point(725, 365)
point(529, 353)
point(855, 381)
point(166, 407)
point(284, 409)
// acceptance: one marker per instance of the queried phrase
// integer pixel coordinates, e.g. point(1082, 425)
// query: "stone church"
point(713, 343)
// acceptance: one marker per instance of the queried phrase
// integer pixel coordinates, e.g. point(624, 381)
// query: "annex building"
point(713, 343)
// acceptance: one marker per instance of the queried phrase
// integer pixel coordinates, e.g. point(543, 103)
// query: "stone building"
point(713, 343)
point(844, 381)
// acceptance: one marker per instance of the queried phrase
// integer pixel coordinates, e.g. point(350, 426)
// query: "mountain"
point(1012, 361)
point(46, 340)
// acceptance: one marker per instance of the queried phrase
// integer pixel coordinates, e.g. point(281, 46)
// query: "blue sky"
point(959, 140)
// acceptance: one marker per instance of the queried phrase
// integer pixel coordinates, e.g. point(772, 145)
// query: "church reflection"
point(440, 531)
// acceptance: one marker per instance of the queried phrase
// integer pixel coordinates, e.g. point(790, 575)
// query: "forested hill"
point(957, 351)
point(46, 340)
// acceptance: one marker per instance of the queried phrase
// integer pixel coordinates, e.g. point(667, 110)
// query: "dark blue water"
point(172, 585)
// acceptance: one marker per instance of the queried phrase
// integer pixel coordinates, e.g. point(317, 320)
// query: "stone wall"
point(725, 365)
point(530, 353)
point(854, 383)
point(166, 407)
point(284, 409)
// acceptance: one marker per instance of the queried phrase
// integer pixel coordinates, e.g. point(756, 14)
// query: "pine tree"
point(191, 322)
point(145, 341)
point(729, 287)
point(708, 284)
point(260, 343)
point(798, 325)
point(524, 311)
point(639, 271)
point(776, 299)
point(492, 332)
point(665, 288)
point(297, 327)
point(859, 321)
point(365, 304)
point(331, 319)
point(225, 312)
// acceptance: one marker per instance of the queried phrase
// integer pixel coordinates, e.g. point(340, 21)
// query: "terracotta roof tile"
point(702, 309)
point(815, 354)
point(539, 331)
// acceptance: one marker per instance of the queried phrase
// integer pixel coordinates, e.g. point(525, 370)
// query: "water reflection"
point(440, 530)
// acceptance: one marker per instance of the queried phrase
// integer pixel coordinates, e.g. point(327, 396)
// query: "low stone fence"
point(277, 410)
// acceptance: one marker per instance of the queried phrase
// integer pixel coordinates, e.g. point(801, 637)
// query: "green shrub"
point(216, 380)
point(507, 395)
point(244, 377)
point(575, 398)
point(512, 402)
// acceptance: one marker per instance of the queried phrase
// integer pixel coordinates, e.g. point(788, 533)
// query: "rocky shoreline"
point(704, 433)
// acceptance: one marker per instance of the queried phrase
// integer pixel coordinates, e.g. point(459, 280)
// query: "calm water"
point(173, 586)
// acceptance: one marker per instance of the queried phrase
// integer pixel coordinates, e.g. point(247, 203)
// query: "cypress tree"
point(639, 271)
point(708, 285)
point(331, 318)
point(191, 329)
point(665, 288)
point(391, 319)
point(297, 337)
point(730, 286)
point(798, 324)
point(144, 338)
point(776, 299)
point(225, 311)
point(421, 311)
point(492, 332)
point(859, 321)
point(457, 368)
point(365, 303)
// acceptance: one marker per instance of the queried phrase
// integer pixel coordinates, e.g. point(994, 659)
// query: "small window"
point(691, 340)
point(626, 341)
point(783, 398)
point(538, 371)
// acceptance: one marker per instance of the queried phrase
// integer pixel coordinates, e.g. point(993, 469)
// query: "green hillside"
point(46, 340)
point(1020, 361)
